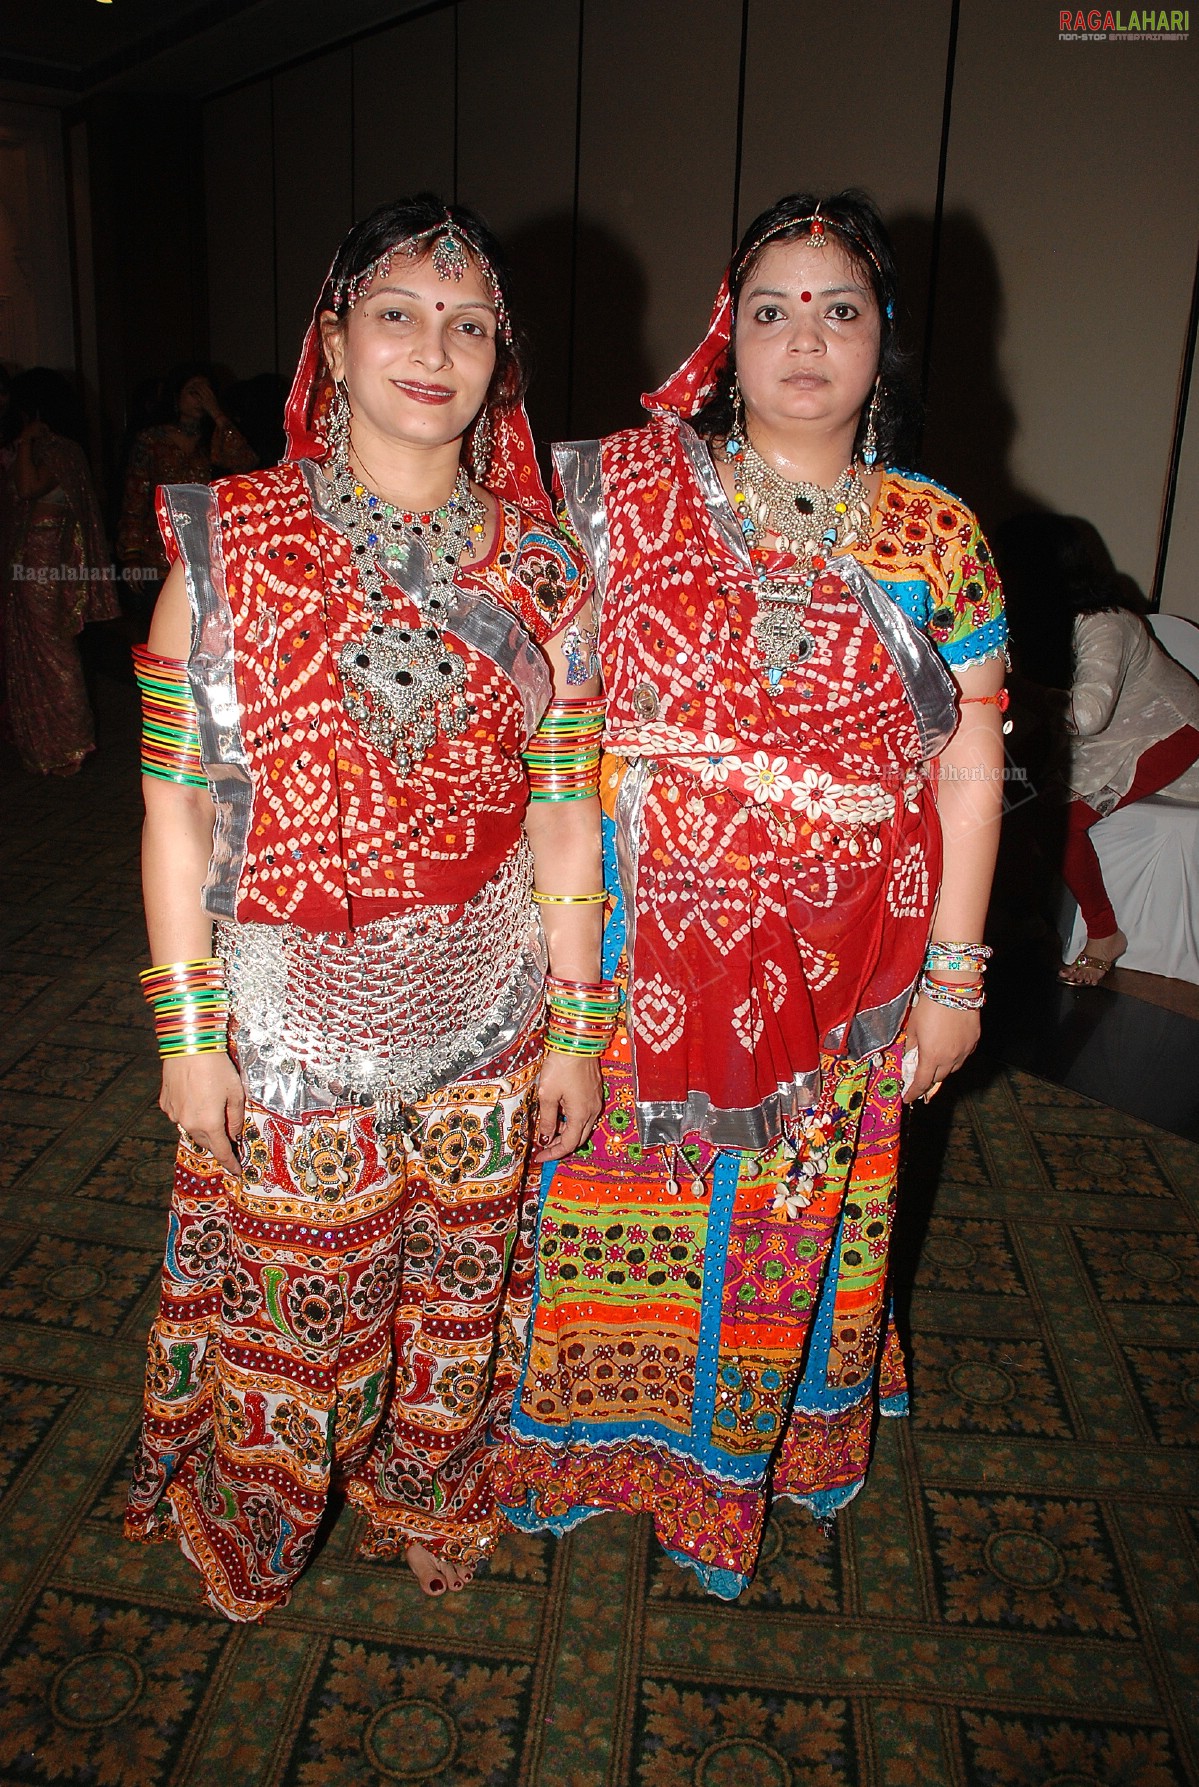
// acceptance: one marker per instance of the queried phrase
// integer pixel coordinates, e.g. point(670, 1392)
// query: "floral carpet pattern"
point(1012, 1602)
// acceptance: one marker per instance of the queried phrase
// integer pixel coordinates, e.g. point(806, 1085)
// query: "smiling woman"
point(359, 677)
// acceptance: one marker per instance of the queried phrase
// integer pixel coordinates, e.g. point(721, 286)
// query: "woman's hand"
point(943, 1038)
point(203, 1095)
point(569, 1100)
point(206, 397)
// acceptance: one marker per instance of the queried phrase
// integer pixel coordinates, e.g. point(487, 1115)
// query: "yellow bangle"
point(591, 899)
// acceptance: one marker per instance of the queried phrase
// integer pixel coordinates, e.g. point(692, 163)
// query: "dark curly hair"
point(44, 395)
point(392, 224)
point(853, 221)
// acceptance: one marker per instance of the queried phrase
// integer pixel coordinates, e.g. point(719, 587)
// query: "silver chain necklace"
point(401, 683)
point(811, 522)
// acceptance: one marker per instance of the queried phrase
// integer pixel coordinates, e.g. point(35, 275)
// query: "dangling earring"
point(870, 438)
point(480, 447)
point(737, 435)
point(337, 425)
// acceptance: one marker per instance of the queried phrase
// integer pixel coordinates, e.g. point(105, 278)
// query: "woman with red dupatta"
point(792, 638)
point(354, 697)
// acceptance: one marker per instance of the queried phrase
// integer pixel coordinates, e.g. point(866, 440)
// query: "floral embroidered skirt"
point(346, 1316)
point(694, 1352)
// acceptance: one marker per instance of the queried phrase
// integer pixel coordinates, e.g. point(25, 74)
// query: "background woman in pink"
point(58, 576)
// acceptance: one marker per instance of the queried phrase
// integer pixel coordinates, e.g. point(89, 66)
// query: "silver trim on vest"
point(487, 626)
point(193, 513)
point(927, 683)
point(579, 468)
point(750, 1127)
point(870, 1031)
point(699, 457)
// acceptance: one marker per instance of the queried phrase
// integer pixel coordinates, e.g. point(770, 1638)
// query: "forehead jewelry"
point(449, 256)
point(818, 237)
point(450, 260)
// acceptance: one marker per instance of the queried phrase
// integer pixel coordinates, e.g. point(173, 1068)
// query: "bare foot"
point(436, 1574)
point(1096, 960)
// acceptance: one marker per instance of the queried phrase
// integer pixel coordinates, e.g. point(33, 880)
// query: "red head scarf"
point(513, 476)
point(687, 390)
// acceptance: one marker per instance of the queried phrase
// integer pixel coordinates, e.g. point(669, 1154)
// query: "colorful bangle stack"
point(955, 958)
point(170, 723)
point(580, 1015)
point(190, 1006)
point(563, 757)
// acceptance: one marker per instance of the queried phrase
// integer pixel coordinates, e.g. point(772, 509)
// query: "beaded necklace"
point(813, 523)
point(401, 683)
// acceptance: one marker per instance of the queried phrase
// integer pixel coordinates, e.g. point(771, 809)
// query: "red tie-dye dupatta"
point(779, 846)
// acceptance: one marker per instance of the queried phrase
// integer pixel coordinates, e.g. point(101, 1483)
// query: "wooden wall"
point(1041, 195)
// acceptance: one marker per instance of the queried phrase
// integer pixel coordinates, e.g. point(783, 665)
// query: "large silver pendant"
point(779, 630)
point(402, 685)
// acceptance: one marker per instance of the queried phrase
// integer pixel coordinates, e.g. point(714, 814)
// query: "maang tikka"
point(449, 255)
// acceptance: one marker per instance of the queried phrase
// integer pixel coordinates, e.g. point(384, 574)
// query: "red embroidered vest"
point(768, 922)
point(314, 826)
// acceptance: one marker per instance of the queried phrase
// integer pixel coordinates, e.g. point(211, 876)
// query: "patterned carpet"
point(1011, 1603)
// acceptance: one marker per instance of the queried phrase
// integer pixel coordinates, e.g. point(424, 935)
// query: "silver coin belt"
point(384, 1014)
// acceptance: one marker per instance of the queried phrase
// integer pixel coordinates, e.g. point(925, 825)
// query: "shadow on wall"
point(256, 405)
point(1051, 565)
point(592, 385)
point(970, 423)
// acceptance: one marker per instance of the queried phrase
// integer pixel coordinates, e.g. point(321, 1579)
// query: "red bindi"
point(806, 296)
point(440, 305)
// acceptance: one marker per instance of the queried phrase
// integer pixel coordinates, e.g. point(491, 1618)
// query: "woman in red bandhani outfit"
point(791, 638)
point(355, 680)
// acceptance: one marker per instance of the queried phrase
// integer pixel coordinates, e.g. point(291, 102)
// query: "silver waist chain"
point(385, 1014)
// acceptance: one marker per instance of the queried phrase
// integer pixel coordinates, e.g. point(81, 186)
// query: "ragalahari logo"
point(1147, 25)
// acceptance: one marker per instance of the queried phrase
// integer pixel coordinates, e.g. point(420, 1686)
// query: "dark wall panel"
point(806, 129)
point(148, 243)
point(844, 96)
point(1071, 217)
point(313, 204)
point(516, 166)
point(657, 159)
point(404, 111)
point(239, 159)
point(1067, 225)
